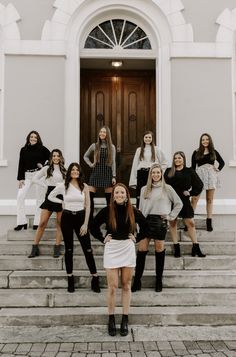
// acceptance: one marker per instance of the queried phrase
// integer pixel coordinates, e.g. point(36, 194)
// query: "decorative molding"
point(201, 50)
point(56, 28)
point(8, 22)
point(3, 163)
point(227, 22)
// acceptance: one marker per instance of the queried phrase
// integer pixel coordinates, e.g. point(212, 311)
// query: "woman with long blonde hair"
point(159, 203)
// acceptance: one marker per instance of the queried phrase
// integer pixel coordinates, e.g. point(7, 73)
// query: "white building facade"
point(192, 50)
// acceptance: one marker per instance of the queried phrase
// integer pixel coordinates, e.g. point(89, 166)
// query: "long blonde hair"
point(149, 186)
point(109, 146)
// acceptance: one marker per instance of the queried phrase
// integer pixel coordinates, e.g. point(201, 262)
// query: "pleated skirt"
point(119, 253)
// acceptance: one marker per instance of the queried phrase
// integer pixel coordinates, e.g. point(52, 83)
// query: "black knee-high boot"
point(108, 197)
point(92, 195)
point(160, 261)
point(140, 264)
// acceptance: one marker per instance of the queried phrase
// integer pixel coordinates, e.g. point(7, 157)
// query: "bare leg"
point(58, 228)
point(159, 245)
point(173, 231)
point(189, 222)
point(44, 217)
point(126, 277)
point(194, 202)
point(209, 202)
point(112, 281)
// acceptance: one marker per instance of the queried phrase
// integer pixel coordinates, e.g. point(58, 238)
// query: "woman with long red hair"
point(120, 218)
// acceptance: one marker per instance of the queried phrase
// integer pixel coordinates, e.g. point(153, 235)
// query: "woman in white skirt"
point(120, 218)
point(207, 162)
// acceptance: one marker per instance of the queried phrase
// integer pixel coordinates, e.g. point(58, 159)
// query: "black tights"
point(70, 223)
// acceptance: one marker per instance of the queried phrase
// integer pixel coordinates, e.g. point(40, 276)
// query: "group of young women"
point(163, 194)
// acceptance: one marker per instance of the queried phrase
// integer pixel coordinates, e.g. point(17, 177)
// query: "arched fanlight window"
point(122, 33)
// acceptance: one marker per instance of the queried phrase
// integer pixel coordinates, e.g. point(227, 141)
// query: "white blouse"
point(74, 199)
point(41, 178)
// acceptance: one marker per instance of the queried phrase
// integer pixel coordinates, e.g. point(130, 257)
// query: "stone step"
point(23, 247)
point(145, 297)
point(158, 316)
point(210, 262)
point(171, 279)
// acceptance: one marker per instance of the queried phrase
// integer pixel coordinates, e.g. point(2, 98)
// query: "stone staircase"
point(197, 291)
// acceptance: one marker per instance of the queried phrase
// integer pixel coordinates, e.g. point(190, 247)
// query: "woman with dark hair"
point(103, 165)
point(49, 176)
point(120, 218)
point(186, 183)
point(32, 158)
point(159, 203)
point(204, 161)
point(75, 218)
point(145, 156)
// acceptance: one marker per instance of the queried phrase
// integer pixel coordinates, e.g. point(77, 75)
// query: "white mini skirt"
point(119, 253)
point(209, 176)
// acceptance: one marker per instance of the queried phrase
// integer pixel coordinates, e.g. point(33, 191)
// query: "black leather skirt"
point(157, 227)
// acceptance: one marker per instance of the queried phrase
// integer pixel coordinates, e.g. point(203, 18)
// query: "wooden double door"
point(124, 101)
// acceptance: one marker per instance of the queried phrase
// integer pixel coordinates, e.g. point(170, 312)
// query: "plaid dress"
point(101, 176)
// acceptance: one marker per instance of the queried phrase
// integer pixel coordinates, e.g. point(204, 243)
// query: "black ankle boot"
point(197, 251)
point(209, 225)
point(124, 326)
point(57, 251)
point(35, 251)
point(95, 284)
point(20, 227)
point(71, 284)
point(177, 250)
point(35, 227)
point(111, 325)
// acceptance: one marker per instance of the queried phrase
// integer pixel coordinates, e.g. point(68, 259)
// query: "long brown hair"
point(129, 217)
point(109, 146)
point(149, 181)
point(142, 146)
point(61, 164)
point(200, 150)
point(171, 173)
point(79, 179)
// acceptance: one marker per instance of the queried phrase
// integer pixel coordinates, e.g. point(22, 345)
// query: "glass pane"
point(137, 35)
point(97, 33)
point(129, 27)
point(92, 43)
point(141, 45)
point(118, 24)
point(106, 26)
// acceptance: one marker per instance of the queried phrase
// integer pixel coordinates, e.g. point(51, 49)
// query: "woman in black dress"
point(203, 161)
point(32, 158)
point(120, 218)
point(186, 183)
point(103, 165)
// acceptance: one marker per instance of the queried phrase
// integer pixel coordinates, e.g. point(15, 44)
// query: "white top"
point(41, 178)
point(74, 199)
point(146, 162)
point(166, 203)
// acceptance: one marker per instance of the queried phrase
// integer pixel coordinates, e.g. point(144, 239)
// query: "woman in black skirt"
point(159, 203)
point(207, 162)
point(49, 176)
point(145, 156)
point(186, 183)
point(120, 218)
point(103, 165)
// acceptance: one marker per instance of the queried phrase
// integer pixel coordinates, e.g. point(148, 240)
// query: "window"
point(118, 33)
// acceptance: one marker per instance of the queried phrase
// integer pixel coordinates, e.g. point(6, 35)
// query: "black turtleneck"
point(30, 156)
point(123, 227)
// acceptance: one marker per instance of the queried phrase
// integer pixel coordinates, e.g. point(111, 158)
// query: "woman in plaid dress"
point(103, 165)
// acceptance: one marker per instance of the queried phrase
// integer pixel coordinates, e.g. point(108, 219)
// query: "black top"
point(185, 180)
point(123, 228)
point(30, 156)
point(206, 159)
